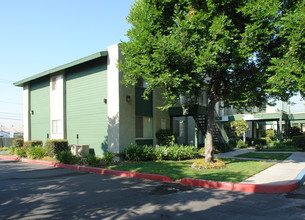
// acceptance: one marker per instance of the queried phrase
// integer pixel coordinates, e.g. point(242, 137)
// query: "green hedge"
point(55, 146)
point(299, 141)
point(28, 144)
point(148, 153)
point(18, 142)
point(36, 152)
point(165, 137)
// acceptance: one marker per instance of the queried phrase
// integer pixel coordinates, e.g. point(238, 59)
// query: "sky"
point(38, 35)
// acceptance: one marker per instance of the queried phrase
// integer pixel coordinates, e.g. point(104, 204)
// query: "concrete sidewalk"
point(291, 169)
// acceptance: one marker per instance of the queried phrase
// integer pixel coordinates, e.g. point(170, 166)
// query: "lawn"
point(269, 156)
point(236, 171)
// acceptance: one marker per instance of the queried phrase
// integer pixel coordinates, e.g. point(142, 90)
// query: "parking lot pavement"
point(32, 191)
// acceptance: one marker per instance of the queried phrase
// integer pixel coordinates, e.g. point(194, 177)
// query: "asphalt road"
point(31, 191)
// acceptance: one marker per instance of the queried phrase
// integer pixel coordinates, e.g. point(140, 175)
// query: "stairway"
point(219, 135)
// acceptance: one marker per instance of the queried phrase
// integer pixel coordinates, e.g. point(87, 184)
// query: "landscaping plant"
point(28, 144)
point(92, 160)
point(18, 142)
point(108, 158)
point(148, 153)
point(55, 146)
point(165, 137)
point(67, 157)
point(36, 152)
point(19, 152)
point(201, 164)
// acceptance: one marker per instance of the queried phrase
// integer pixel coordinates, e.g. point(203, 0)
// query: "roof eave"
point(62, 67)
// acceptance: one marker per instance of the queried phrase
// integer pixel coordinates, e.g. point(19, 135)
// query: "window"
point(141, 83)
point(179, 127)
point(57, 126)
point(144, 127)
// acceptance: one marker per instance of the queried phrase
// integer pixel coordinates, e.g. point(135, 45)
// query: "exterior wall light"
point(32, 112)
point(128, 98)
point(105, 101)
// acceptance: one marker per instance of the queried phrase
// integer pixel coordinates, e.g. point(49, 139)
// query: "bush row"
point(299, 142)
point(58, 149)
point(275, 145)
point(149, 153)
point(67, 157)
point(34, 149)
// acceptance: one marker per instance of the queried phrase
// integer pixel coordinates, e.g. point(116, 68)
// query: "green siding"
point(86, 112)
point(40, 104)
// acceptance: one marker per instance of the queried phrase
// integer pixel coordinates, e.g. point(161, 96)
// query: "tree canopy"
point(237, 51)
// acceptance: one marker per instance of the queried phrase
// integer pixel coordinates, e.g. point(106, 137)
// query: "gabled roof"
point(62, 67)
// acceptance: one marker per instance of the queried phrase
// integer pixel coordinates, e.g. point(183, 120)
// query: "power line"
point(12, 119)
point(11, 103)
point(8, 113)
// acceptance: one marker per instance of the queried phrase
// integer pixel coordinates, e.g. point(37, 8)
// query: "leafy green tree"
point(241, 127)
point(288, 69)
point(187, 46)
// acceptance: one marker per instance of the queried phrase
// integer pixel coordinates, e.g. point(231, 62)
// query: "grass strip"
point(280, 149)
point(236, 171)
point(267, 156)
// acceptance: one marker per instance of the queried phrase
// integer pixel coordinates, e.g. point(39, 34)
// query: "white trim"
point(26, 112)
point(113, 99)
point(57, 104)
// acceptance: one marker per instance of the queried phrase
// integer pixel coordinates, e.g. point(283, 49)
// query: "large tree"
point(187, 46)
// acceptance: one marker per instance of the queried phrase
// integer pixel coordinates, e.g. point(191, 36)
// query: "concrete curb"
point(241, 187)
point(300, 179)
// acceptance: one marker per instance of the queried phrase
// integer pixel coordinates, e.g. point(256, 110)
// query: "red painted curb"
point(207, 184)
point(154, 177)
point(244, 187)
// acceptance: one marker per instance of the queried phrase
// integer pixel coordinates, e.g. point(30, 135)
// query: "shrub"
point(36, 152)
point(109, 156)
point(259, 147)
point(223, 147)
point(92, 160)
point(201, 164)
point(19, 152)
point(299, 142)
point(270, 134)
point(67, 157)
point(28, 144)
point(3, 148)
point(55, 146)
point(139, 153)
point(12, 150)
point(240, 144)
point(294, 131)
point(266, 140)
point(18, 142)
point(181, 152)
point(174, 152)
point(165, 137)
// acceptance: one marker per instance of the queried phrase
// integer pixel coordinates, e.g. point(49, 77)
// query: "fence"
point(6, 142)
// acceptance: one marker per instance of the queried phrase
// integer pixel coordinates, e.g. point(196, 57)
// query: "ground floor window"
point(57, 126)
point(144, 127)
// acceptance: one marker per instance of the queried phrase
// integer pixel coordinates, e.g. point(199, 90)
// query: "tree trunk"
point(209, 156)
